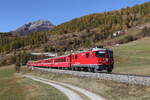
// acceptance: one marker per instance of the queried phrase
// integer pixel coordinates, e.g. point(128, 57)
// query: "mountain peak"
point(36, 26)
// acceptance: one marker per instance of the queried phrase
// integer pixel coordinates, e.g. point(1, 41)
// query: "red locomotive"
point(95, 60)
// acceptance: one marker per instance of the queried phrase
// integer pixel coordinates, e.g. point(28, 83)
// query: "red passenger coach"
point(59, 62)
point(95, 60)
point(62, 62)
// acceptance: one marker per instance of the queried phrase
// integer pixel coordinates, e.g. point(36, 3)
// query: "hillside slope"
point(133, 57)
point(87, 31)
point(109, 28)
point(107, 22)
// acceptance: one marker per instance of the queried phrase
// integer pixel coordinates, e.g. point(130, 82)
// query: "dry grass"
point(133, 57)
point(107, 89)
point(15, 87)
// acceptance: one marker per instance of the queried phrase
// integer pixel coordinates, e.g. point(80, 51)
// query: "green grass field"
point(133, 57)
point(15, 87)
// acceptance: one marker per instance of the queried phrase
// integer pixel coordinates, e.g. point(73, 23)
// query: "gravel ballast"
point(125, 78)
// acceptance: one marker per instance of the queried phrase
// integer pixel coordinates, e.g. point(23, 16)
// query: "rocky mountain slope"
point(37, 26)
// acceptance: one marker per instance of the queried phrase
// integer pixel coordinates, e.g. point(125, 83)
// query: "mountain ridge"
point(35, 26)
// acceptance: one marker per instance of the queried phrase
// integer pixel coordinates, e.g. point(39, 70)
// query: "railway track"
point(125, 78)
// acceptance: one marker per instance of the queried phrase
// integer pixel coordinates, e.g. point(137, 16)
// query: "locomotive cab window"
point(100, 54)
point(87, 55)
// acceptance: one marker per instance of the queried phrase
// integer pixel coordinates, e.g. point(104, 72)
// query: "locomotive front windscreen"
point(100, 54)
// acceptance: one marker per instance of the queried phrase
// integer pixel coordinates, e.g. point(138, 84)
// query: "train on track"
point(94, 60)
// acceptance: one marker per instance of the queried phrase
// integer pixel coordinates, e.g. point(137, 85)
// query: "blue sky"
point(14, 13)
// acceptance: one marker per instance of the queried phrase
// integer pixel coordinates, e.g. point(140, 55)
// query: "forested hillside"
point(83, 32)
point(9, 43)
point(107, 21)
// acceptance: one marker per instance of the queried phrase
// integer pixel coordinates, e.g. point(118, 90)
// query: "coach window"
point(76, 56)
point(87, 55)
point(72, 56)
point(65, 59)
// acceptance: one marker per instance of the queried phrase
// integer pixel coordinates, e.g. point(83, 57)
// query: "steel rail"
point(125, 78)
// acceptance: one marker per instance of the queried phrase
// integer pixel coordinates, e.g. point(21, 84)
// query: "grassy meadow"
point(15, 87)
point(133, 57)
